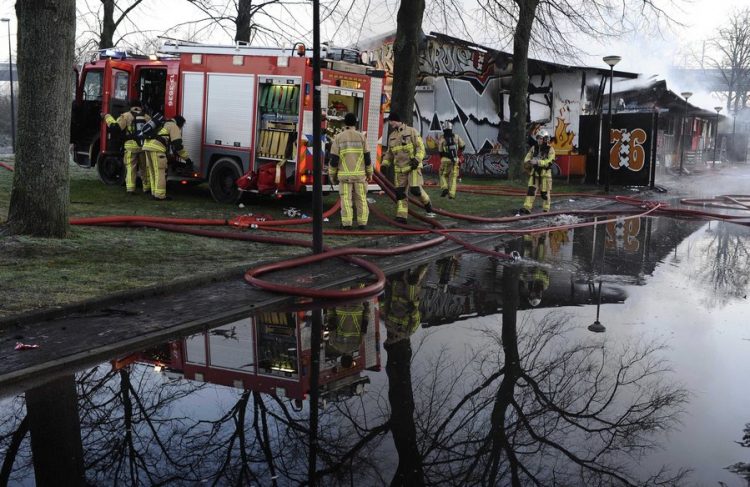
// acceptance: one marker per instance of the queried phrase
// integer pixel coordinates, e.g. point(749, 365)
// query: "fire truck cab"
point(248, 111)
point(106, 84)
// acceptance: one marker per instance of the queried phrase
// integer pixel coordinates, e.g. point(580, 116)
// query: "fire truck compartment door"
point(192, 110)
point(230, 110)
point(117, 83)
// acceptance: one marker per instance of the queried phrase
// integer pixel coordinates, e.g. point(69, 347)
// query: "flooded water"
point(464, 372)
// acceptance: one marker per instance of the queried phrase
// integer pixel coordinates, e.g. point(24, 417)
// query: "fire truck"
point(248, 111)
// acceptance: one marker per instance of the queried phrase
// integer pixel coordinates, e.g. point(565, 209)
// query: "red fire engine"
point(248, 111)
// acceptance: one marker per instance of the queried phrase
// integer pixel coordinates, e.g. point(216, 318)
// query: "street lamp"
point(686, 95)
point(611, 61)
point(12, 102)
point(716, 137)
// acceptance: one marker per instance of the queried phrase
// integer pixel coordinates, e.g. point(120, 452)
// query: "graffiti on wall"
point(563, 138)
point(488, 164)
point(463, 85)
point(457, 61)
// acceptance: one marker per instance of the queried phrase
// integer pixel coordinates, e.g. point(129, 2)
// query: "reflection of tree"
point(129, 433)
point(723, 264)
point(543, 409)
point(743, 468)
point(14, 426)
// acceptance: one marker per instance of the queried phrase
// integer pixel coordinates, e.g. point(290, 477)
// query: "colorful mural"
point(464, 85)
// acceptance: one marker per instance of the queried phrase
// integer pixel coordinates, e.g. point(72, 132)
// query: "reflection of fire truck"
point(248, 111)
point(269, 353)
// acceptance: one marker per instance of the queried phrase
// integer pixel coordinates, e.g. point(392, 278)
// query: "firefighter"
point(401, 303)
point(346, 325)
point(538, 163)
point(534, 278)
point(351, 168)
point(451, 148)
point(168, 136)
point(405, 152)
point(130, 123)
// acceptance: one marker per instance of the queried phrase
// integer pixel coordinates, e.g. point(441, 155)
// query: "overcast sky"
point(646, 53)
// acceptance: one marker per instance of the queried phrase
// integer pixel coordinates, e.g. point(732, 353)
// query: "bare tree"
point(100, 20)
point(111, 20)
point(733, 59)
point(544, 26)
point(406, 57)
point(254, 20)
point(39, 198)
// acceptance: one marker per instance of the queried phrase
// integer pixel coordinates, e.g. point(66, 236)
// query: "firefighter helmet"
point(447, 125)
point(543, 134)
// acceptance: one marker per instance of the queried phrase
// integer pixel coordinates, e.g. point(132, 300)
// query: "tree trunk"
point(55, 426)
point(519, 86)
point(108, 24)
point(406, 57)
point(244, 17)
point(39, 198)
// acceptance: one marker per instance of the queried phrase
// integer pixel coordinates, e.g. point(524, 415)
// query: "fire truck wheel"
point(222, 181)
point(111, 170)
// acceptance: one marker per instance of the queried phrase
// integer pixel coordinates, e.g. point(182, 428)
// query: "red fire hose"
point(442, 234)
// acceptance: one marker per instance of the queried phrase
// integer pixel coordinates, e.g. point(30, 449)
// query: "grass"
point(96, 261)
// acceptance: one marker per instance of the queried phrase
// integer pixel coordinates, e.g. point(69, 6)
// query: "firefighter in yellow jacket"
point(346, 325)
point(538, 163)
point(134, 158)
point(169, 135)
point(451, 147)
point(406, 152)
point(351, 168)
point(401, 303)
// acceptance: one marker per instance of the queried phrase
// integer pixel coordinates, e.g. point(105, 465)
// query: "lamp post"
point(611, 61)
point(716, 136)
point(12, 102)
point(686, 95)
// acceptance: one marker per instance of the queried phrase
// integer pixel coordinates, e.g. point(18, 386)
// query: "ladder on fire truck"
point(336, 58)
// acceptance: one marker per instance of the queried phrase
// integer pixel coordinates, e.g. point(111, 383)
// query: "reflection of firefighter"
point(401, 303)
point(447, 268)
point(534, 278)
point(346, 325)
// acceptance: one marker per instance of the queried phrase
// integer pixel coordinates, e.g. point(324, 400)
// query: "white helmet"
point(543, 134)
point(447, 125)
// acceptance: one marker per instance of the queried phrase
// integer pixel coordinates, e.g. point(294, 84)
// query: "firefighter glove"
point(414, 163)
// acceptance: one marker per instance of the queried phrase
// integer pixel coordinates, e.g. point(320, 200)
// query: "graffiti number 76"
point(627, 149)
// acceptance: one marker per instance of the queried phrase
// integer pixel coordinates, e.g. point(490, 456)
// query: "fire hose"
point(441, 234)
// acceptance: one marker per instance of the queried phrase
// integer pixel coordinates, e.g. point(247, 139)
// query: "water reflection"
point(488, 381)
